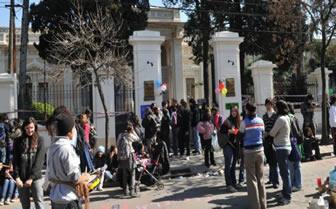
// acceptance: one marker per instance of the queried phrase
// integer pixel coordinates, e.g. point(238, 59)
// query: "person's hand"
point(19, 183)
point(84, 178)
point(7, 175)
point(231, 131)
point(28, 183)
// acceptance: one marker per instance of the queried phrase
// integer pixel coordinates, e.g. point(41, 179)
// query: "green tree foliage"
point(198, 30)
point(272, 30)
point(322, 19)
point(46, 17)
point(314, 49)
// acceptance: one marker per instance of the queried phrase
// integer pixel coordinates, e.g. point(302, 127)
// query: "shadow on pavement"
point(193, 193)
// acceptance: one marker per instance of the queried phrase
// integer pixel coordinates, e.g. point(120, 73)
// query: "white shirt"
point(332, 116)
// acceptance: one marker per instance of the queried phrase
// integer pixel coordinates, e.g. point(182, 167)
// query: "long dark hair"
point(237, 119)
point(34, 137)
point(206, 116)
point(282, 107)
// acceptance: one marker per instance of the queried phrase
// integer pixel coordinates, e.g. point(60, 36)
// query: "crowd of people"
point(245, 138)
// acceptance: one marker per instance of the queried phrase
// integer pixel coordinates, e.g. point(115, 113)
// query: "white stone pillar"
point(316, 77)
point(179, 82)
point(98, 111)
point(147, 67)
point(262, 73)
point(9, 94)
point(227, 68)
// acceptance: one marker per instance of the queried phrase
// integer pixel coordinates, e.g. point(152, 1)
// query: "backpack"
point(2, 135)
point(124, 149)
point(295, 129)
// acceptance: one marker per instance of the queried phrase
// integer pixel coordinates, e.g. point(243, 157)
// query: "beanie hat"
point(101, 149)
point(65, 123)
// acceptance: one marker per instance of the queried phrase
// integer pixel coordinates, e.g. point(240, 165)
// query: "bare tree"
point(322, 14)
point(89, 42)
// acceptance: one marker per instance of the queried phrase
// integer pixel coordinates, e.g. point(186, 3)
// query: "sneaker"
point(15, 199)
point(2, 203)
point(214, 164)
point(296, 189)
point(232, 189)
point(100, 189)
point(7, 202)
point(240, 185)
point(134, 194)
point(275, 186)
point(284, 201)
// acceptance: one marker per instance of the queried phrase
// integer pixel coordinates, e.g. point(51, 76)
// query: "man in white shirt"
point(332, 120)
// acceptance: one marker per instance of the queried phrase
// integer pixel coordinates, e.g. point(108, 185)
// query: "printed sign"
point(143, 109)
point(149, 94)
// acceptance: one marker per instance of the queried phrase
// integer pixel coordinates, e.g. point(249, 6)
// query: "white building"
point(183, 77)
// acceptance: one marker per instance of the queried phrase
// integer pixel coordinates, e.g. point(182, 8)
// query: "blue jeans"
point(3, 154)
point(7, 189)
point(230, 158)
point(295, 173)
point(274, 174)
point(282, 158)
point(16, 193)
point(197, 139)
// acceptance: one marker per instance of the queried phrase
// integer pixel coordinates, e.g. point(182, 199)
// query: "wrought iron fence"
point(295, 92)
point(124, 104)
point(42, 98)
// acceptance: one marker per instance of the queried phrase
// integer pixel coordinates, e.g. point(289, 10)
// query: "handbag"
point(214, 142)
point(222, 139)
point(294, 155)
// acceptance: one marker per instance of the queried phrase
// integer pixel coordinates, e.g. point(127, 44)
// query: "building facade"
point(46, 84)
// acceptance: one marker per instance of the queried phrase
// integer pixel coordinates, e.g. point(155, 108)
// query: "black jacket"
point(28, 162)
point(150, 125)
point(185, 122)
point(195, 116)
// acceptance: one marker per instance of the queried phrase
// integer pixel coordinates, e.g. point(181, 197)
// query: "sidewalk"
point(204, 191)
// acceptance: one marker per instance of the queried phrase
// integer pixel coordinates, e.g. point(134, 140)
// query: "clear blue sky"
point(4, 12)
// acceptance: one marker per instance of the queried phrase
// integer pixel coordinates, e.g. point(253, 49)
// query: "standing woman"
point(206, 129)
point(230, 128)
point(269, 119)
point(28, 159)
point(281, 134)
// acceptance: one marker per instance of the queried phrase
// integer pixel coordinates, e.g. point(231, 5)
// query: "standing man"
point(269, 119)
point(252, 129)
point(332, 120)
point(63, 167)
point(195, 118)
point(307, 110)
point(184, 139)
